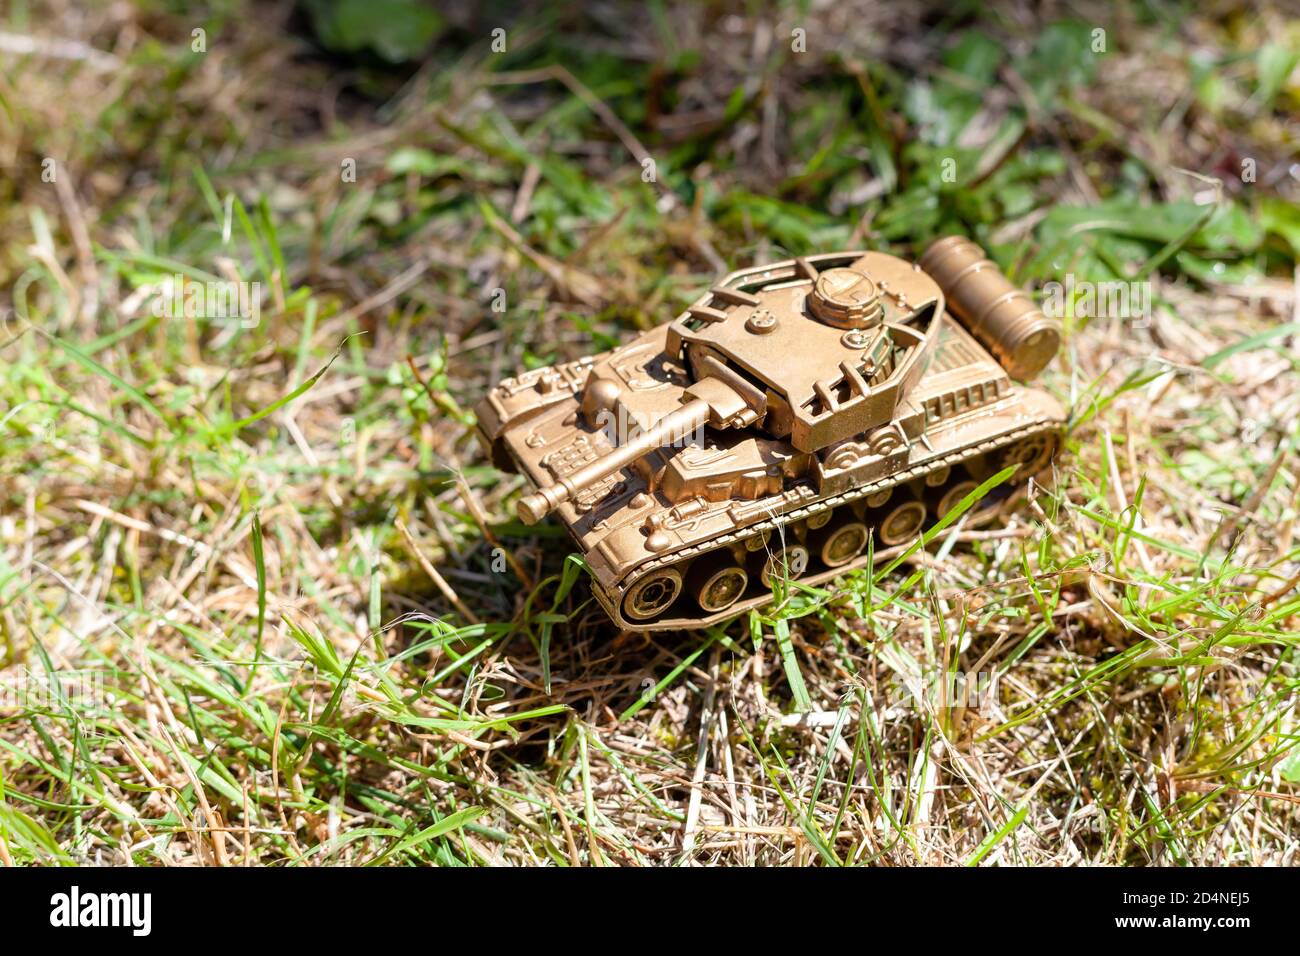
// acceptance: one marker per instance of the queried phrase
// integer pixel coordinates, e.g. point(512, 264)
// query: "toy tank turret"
point(789, 416)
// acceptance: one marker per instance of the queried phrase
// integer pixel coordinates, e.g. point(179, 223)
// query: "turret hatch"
point(829, 347)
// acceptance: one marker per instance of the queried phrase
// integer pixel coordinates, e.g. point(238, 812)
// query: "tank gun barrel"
point(672, 427)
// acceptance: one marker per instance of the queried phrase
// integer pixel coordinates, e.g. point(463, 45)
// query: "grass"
point(312, 630)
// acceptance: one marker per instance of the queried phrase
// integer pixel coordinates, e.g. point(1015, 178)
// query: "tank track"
point(614, 599)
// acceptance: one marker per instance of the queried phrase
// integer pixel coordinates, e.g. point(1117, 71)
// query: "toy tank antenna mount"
point(795, 420)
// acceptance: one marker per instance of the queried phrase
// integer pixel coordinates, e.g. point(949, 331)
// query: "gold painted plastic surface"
point(789, 408)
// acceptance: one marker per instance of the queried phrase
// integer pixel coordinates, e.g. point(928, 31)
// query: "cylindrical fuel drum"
point(1002, 316)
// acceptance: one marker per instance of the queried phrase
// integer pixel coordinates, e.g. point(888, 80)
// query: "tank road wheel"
point(818, 520)
point(938, 477)
point(953, 496)
point(793, 562)
point(721, 589)
point(879, 498)
point(902, 523)
point(652, 595)
point(1031, 453)
point(844, 544)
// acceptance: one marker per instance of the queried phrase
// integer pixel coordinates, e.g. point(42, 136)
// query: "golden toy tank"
point(792, 413)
